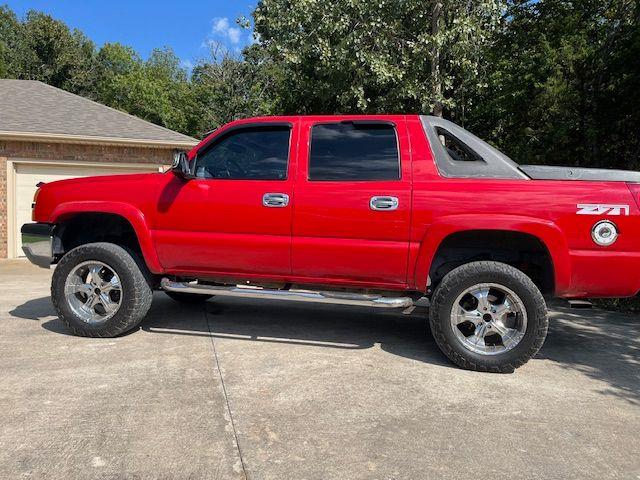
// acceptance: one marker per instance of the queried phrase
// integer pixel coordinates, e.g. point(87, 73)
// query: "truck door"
point(235, 216)
point(353, 201)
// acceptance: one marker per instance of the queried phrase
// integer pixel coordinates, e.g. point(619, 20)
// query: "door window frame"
point(224, 132)
point(363, 122)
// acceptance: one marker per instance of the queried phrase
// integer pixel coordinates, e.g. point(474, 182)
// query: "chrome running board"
point(336, 298)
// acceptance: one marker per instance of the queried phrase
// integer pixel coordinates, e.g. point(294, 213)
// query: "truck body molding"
point(545, 231)
point(127, 211)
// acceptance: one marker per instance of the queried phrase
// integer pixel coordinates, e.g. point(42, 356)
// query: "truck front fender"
point(130, 213)
point(545, 231)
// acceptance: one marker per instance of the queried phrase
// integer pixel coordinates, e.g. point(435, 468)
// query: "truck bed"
point(544, 172)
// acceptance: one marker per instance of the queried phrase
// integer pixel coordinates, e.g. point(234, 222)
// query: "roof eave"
point(94, 140)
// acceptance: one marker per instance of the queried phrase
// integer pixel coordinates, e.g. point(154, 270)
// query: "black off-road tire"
point(136, 291)
point(465, 276)
point(189, 298)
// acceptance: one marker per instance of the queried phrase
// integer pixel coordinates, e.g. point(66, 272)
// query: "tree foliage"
point(9, 27)
point(563, 84)
point(42, 48)
point(382, 56)
point(156, 89)
point(227, 88)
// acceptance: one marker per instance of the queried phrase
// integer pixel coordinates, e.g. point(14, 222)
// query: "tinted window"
point(346, 151)
point(456, 149)
point(257, 153)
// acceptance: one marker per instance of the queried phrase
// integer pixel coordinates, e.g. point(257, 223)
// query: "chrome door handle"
point(275, 200)
point(383, 203)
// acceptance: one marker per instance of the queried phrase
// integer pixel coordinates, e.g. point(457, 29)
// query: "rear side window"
point(457, 150)
point(353, 151)
point(255, 153)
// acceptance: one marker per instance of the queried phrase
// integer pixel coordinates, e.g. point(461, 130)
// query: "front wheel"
point(488, 316)
point(98, 290)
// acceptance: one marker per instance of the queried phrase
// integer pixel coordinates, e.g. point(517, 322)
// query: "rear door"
point(353, 201)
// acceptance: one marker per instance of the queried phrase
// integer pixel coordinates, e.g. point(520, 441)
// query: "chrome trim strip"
point(335, 298)
point(277, 200)
point(383, 203)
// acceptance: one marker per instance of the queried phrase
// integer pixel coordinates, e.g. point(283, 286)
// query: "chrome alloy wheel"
point(488, 319)
point(93, 291)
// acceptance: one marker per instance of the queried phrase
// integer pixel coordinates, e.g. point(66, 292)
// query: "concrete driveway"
point(270, 390)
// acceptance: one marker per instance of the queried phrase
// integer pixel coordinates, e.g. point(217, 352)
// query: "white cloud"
point(222, 28)
point(220, 24)
point(234, 35)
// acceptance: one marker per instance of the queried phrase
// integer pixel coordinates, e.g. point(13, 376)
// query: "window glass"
point(255, 153)
point(456, 149)
point(353, 151)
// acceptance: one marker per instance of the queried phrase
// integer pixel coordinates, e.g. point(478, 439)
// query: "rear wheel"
point(98, 290)
point(188, 297)
point(488, 316)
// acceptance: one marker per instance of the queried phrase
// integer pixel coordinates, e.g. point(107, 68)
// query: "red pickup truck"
point(377, 210)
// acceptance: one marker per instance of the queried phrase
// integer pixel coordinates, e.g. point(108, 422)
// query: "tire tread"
point(137, 305)
point(449, 283)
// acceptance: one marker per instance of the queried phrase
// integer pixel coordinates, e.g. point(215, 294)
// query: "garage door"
point(28, 175)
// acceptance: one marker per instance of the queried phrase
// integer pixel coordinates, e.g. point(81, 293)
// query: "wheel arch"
point(67, 213)
point(449, 229)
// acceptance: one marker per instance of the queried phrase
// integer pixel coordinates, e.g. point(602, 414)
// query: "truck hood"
point(124, 179)
point(134, 189)
point(544, 172)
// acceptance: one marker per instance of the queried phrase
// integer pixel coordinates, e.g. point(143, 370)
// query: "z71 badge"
point(602, 209)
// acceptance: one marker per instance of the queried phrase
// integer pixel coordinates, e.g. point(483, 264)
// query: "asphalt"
point(271, 390)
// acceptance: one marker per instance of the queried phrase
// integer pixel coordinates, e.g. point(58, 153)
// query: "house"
point(49, 134)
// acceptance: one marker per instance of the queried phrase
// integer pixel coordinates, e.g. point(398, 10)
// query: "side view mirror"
point(181, 166)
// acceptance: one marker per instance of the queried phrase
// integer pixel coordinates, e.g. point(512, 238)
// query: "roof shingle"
point(33, 107)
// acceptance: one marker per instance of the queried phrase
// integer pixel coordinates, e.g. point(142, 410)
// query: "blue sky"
point(184, 25)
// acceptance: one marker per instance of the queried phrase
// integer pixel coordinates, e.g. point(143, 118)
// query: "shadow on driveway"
point(602, 345)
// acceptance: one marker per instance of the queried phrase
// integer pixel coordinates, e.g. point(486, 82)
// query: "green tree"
point(383, 56)
point(157, 90)
point(228, 87)
point(563, 84)
point(49, 51)
point(10, 36)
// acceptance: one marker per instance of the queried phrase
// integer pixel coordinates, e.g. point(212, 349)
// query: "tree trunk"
point(435, 60)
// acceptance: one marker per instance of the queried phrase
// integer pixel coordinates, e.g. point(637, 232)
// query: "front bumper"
point(37, 243)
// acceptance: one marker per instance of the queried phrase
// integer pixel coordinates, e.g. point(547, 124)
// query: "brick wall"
point(10, 150)
point(86, 153)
